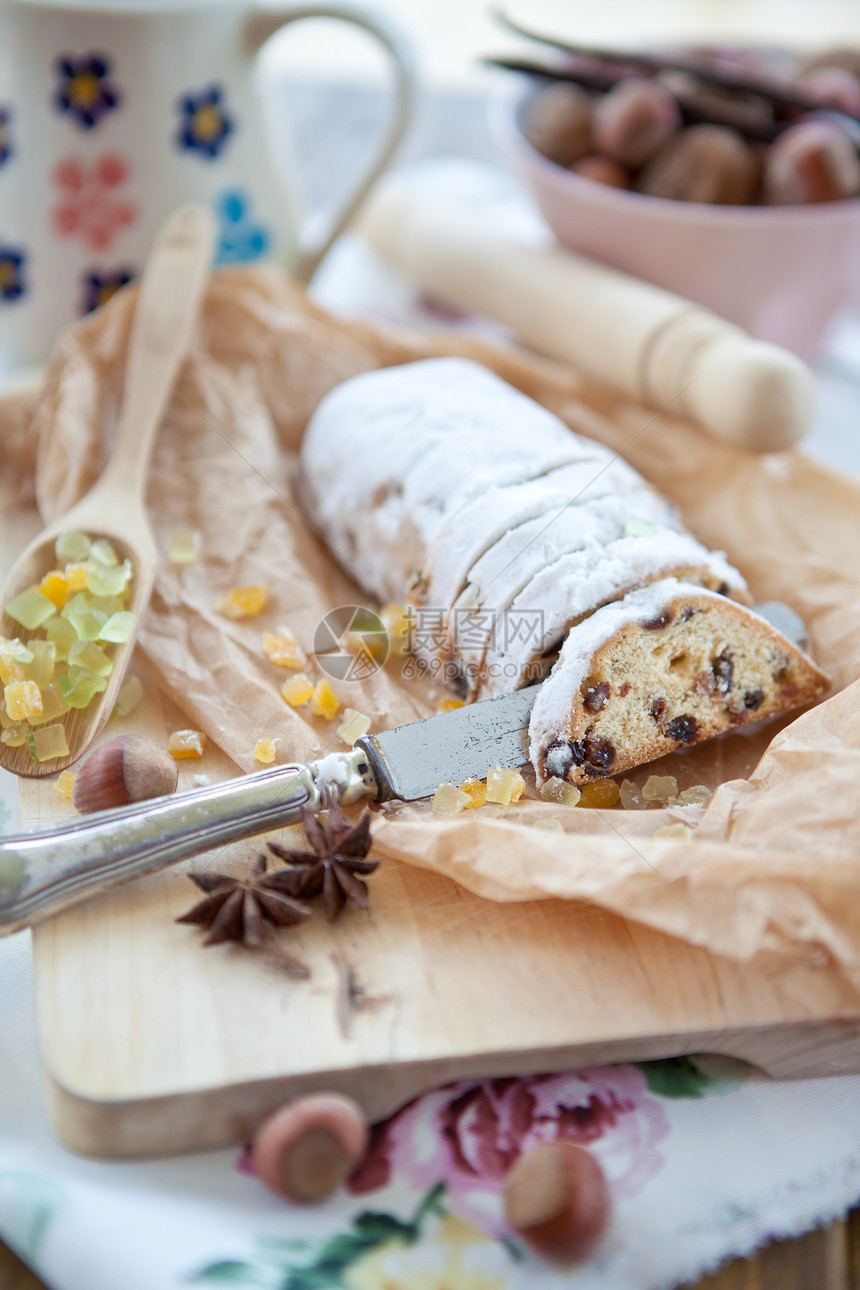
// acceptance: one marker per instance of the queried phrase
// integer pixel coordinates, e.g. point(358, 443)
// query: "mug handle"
point(264, 21)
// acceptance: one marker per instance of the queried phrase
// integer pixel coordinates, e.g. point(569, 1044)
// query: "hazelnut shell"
point(124, 770)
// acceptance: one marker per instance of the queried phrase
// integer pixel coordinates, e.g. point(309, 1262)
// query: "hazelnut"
point(833, 87)
point(813, 161)
point(127, 769)
point(306, 1149)
point(633, 120)
point(603, 170)
point(704, 163)
point(559, 123)
point(557, 1198)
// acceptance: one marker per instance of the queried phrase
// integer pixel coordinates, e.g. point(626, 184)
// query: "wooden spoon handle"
point(164, 317)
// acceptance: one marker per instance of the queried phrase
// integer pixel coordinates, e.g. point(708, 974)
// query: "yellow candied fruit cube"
point(243, 602)
point(65, 784)
point(10, 669)
point(504, 787)
point(353, 726)
point(76, 575)
point(450, 800)
point(264, 751)
point(559, 791)
point(449, 705)
point(552, 825)
point(185, 745)
point(697, 795)
point(660, 788)
point(600, 793)
point(673, 833)
point(14, 736)
point(397, 621)
point(282, 648)
point(48, 743)
point(476, 791)
point(23, 700)
point(297, 690)
point(55, 586)
point(184, 546)
point(324, 701)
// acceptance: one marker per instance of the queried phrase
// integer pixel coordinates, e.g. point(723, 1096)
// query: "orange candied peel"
point(476, 790)
point(282, 648)
point(243, 602)
point(298, 689)
point(264, 751)
point(23, 700)
point(324, 701)
point(449, 705)
point(186, 745)
point(65, 783)
point(55, 586)
point(600, 793)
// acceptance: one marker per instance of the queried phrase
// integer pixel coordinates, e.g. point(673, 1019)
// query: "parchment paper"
point(774, 864)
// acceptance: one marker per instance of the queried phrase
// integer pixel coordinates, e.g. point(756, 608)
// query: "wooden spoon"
point(170, 292)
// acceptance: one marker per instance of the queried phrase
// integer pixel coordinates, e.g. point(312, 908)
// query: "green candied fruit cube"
point(76, 604)
point(41, 667)
point(130, 695)
point(107, 605)
point(103, 553)
point(62, 636)
point(118, 628)
point(47, 743)
point(78, 687)
point(109, 582)
point(86, 654)
point(71, 547)
point(87, 624)
point(53, 706)
point(31, 609)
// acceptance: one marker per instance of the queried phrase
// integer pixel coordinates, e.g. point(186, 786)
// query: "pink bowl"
point(782, 273)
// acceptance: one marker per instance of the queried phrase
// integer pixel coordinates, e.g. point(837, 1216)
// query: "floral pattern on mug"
point(12, 282)
point(240, 238)
point(90, 207)
point(205, 126)
point(469, 1135)
point(85, 92)
point(99, 287)
point(6, 148)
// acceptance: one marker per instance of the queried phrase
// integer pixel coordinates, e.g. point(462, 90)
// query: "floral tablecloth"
point(705, 1158)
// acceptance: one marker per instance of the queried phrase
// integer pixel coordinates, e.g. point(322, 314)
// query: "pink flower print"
point(90, 207)
point(469, 1135)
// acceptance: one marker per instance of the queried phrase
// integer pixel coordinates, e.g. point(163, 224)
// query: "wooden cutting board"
point(153, 1045)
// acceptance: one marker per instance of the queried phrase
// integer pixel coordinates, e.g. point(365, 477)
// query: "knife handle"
point(41, 873)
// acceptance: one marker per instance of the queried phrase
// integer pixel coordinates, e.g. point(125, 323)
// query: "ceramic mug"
point(115, 112)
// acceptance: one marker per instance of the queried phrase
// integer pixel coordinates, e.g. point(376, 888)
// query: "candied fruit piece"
point(130, 695)
point(103, 552)
point(186, 745)
point(48, 742)
point(71, 545)
point(184, 546)
point(660, 788)
point(106, 581)
point(76, 575)
point(62, 636)
point(450, 800)
point(476, 790)
point(264, 751)
point(10, 669)
point(673, 833)
point(13, 736)
point(600, 793)
point(65, 784)
point(53, 705)
point(78, 687)
point(87, 655)
point(449, 705)
point(55, 586)
point(631, 798)
point(118, 628)
point(697, 795)
point(23, 700)
point(552, 825)
point(282, 648)
point(30, 608)
point(558, 790)
point(243, 602)
point(297, 690)
point(397, 622)
point(324, 701)
point(41, 667)
point(87, 624)
point(353, 726)
point(504, 787)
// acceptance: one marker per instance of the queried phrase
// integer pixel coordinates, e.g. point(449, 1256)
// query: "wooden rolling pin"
point(630, 336)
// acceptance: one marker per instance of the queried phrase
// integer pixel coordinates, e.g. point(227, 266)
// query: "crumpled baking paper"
point(773, 864)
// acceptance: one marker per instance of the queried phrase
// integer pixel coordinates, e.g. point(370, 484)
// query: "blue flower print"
point(85, 91)
point(240, 239)
point(12, 283)
point(205, 126)
point(5, 136)
point(99, 287)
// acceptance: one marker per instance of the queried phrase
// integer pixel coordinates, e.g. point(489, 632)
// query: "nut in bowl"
point(782, 272)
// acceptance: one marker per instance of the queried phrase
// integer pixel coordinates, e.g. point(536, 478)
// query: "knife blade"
point(44, 872)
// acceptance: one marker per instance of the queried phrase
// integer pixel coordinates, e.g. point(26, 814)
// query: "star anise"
point(337, 855)
point(238, 909)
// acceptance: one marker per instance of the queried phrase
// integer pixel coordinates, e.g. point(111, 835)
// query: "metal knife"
point(41, 873)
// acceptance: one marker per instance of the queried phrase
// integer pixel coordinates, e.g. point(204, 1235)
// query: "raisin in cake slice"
point(669, 665)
